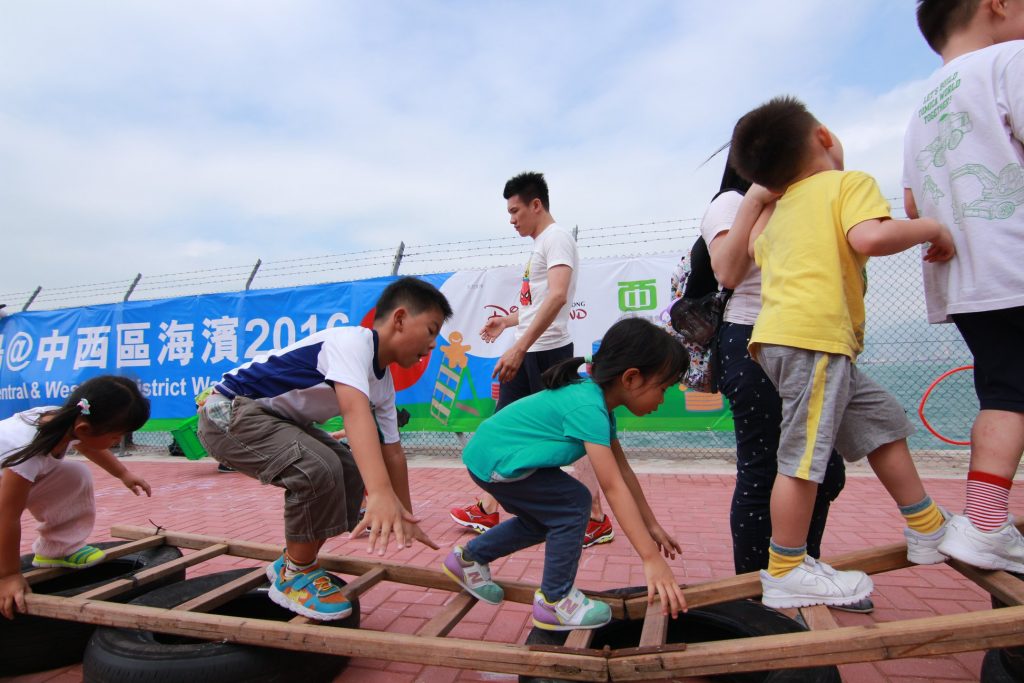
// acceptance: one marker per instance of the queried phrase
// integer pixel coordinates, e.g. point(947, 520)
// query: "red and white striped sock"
point(988, 500)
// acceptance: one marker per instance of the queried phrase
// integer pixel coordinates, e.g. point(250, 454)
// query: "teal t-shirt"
point(547, 429)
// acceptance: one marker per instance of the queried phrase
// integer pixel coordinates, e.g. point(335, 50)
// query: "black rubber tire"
point(1011, 659)
point(727, 620)
point(133, 656)
point(29, 644)
point(994, 669)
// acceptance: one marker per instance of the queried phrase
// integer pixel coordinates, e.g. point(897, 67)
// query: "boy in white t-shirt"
point(542, 336)
point(259, 420)
point(963, 159)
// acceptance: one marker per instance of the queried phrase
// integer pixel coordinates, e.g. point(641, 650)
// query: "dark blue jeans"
point(549, 505)
point(757, 414)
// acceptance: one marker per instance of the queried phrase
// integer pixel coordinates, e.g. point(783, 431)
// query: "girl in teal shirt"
point(516, 456)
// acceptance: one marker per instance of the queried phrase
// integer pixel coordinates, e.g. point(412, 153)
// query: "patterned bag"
point(695, 315)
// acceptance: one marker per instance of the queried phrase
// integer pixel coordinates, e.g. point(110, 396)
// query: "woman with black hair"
point(756, 407)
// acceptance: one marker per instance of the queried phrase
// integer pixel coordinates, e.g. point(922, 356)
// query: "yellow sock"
point(924, 517)
point(780, 564)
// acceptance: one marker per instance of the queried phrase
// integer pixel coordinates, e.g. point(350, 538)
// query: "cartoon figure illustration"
point(525, 297)
point(932, 190)
point(1000, 195)
point(452, 375)
point(952, 127)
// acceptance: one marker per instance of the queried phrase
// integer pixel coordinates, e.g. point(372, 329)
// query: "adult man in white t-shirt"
point(541, 331)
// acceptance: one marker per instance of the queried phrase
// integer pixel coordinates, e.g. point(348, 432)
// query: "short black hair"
point(528, 186)
point(770, 143)
point(415, 294)
point(938, 19)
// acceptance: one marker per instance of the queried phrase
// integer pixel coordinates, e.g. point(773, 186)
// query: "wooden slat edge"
point(219, 596)
point(146, 576)
point(444, 621)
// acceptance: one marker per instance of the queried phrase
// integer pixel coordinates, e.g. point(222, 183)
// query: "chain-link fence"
point(903, 352)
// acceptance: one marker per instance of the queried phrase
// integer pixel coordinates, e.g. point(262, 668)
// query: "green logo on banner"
point(638, 295)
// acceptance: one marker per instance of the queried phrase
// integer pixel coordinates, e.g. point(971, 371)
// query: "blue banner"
point(175, 347)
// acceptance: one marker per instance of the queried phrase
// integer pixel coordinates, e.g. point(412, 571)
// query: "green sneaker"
point(86, 556)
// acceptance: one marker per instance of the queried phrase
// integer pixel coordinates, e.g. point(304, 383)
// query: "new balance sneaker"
point(86, 556)
point(474, 517)
point(598, 532)
point(574, 611)
point(924, 548)
point(311, 593)
point(999, 549)
point(814, 583)
point(473, 576)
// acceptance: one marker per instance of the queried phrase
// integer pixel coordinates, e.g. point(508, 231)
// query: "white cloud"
point(168, 138)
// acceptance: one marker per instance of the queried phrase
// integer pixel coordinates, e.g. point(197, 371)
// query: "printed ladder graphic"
point(450, 375)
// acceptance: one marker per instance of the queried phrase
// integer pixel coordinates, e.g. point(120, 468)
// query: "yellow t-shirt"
point(812, 280)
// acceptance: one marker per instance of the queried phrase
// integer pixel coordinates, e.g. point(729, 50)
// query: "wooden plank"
point(1003, 585)
point(580, 638)
point(515, 591)
point(444, 621)
point(450, 652)
point(818, 618)
point(358, 586)
point(144, 541)
point(213, 599)
point(922, 637)
point(655, 627)
point(147, 576)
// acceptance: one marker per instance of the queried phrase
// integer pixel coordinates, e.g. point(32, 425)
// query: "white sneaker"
point(814, 583)
point(999, 549)
point(924, 548)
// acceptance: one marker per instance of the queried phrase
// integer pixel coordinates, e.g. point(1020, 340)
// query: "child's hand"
point(13, 588)
point(415, 533)
point(661, 582)
point(666, 544)
point(385, 515)
point(762, 194)
point(136, 484)
point(940, 249)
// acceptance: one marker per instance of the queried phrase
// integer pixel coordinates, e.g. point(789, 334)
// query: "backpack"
point(695, 315)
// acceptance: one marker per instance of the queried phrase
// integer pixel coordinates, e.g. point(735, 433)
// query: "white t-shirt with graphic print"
point(553, 247)
point(963, 160)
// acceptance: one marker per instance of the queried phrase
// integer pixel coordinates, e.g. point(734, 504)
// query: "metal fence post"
point(398, 258)
point(252, 275)
point(32, 298)
point(132, 287)
point(575, 232)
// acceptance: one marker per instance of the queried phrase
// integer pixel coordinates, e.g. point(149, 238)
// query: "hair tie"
point(83, 404)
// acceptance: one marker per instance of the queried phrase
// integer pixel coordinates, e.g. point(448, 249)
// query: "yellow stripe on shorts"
point(814, 406)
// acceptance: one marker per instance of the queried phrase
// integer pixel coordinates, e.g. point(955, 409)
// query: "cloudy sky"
point(168, 137)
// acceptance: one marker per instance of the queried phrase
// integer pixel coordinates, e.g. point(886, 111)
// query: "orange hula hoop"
point(924, 399)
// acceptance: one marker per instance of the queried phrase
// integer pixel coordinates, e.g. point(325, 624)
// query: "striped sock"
point(783, 560)
point(988, 500)
point(924, 517)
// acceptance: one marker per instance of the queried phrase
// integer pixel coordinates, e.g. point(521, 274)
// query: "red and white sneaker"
point(598, 532)
point(474, 517)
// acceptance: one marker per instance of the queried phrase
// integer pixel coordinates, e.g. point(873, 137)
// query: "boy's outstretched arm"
point(385, 512)
point(885, 236)
point(660, 580)
point(398, 471)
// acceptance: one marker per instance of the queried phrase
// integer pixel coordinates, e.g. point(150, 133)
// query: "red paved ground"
point(193, 497)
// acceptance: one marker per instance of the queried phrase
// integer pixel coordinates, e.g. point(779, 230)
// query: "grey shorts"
point(828, 403)
point(323, 488)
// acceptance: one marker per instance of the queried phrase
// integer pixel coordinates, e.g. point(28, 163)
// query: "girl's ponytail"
point(561, 374)
point(109, 403)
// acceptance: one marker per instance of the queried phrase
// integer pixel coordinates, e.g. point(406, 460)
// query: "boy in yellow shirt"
point(812, 253)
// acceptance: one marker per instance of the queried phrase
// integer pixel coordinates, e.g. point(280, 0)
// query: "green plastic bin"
point(186, 437)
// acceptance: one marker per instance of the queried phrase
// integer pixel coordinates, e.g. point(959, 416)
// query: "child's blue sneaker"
point(473, 576)
point(311, 593)
point(275, 568)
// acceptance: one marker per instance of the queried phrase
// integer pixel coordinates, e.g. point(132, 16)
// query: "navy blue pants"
point(527, 379)
point(757, 414)
point(549, 505)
